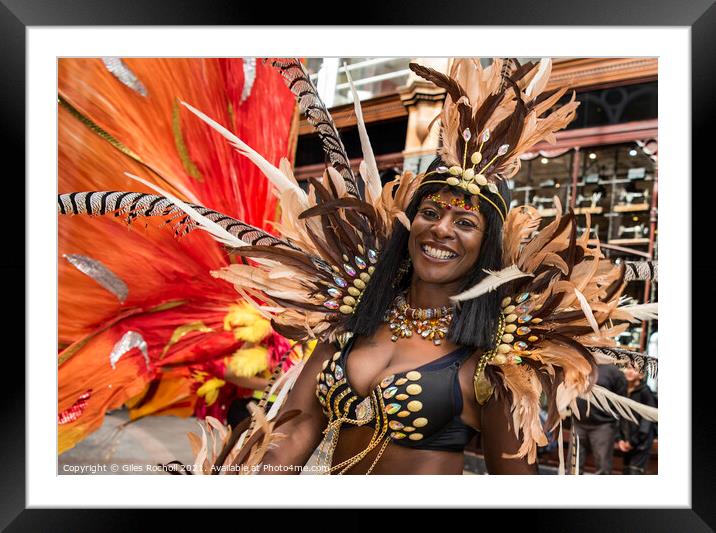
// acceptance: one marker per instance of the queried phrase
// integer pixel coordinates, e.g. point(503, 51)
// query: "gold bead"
point(353, 291)
point(371, 269)
point(413, 388)
point(507, 310)
point(510, 328)
point(473, 189)
point(420, 422)
point(408, 429)
point(413, 375)
point(359, 283)
point(469, 174)
point(504, 348)
point(481, 180)
point(336, 356)
point(325, 364)
point(361, 249)
point(401, 381)
point(536, 320)
point(475, 158)
point(533, 338)
point(349, 300)
point(415, 436)
point(506, 302)
point(452, 181)
point(507, 338)
point(346, 309)
point(511, 317)
point(401, 397)
point(500, 359)
point(365, 276)
point(403, 414)
point(415, 406)
point(455, 170)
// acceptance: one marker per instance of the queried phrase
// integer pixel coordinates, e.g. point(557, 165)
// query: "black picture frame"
point(17, 15)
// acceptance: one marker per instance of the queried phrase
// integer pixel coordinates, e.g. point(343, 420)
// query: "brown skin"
point(459, 232)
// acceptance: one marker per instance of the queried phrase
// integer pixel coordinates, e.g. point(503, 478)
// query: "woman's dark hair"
point(475, 321)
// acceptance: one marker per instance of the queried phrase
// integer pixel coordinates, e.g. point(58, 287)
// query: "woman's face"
point(445, 240)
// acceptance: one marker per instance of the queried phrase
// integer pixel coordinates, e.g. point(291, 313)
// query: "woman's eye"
point(429, 213)
point(466, 223)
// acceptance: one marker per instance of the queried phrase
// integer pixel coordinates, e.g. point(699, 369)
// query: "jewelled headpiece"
point(471, 179)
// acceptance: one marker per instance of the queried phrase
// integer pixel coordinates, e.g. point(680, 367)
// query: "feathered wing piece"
point(564, 294)
point(309, 281)
point(141, 321)
point(559, 323)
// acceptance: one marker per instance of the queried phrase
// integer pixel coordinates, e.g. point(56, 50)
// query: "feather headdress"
point(491, 116)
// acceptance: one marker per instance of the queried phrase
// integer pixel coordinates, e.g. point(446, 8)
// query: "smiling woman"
point(438, 311)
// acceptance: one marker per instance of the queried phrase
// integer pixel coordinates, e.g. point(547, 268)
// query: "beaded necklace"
point(431, 323)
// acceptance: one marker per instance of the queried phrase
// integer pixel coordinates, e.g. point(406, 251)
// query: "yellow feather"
point(248, 362)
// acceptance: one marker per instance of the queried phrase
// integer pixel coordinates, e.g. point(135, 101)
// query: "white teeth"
point(437, 254)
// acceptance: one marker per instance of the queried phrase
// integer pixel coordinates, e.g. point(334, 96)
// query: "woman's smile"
point(438, 253)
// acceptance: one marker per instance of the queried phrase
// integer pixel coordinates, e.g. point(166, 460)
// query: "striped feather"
point(318, 116)
point(622, 357)
point(136, 204)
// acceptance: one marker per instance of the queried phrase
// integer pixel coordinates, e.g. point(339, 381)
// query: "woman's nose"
point(442, 229)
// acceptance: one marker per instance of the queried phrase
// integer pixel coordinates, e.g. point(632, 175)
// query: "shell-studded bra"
point(419, 408)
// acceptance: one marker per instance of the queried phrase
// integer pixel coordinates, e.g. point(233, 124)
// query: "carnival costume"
point(142, 323)
point(557, 320)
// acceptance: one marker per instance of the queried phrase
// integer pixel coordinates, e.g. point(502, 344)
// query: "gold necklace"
point(430, 323)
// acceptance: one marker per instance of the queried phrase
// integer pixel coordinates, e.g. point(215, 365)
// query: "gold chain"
point(378, 435)
point(387, 441)
point(483, 389)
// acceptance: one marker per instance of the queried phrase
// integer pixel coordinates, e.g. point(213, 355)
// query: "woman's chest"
point(370, 363)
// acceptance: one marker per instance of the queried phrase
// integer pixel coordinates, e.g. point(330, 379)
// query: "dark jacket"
point(611, 378)
point(640, 435)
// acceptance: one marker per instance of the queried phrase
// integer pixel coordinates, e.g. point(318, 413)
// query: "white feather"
point(587, 311)
point(290, 378)
point(491, 282)
point(372, 175)
point(280, 181)
point(626, 407)
point(216, 231)
point(560, 448)
point(642, 311)
point(542, 70)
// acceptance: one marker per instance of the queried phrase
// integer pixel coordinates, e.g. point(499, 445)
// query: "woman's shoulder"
point(471, 408)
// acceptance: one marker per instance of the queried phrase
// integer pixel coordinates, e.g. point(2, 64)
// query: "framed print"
point(676, 40)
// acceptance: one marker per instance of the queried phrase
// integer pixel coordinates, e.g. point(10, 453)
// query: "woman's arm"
point(305, 431)
point(498, 438)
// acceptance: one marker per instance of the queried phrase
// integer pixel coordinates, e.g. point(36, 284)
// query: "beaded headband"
point(454, 202)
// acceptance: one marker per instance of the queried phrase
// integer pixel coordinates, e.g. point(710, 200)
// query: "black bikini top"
point(419, 408)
